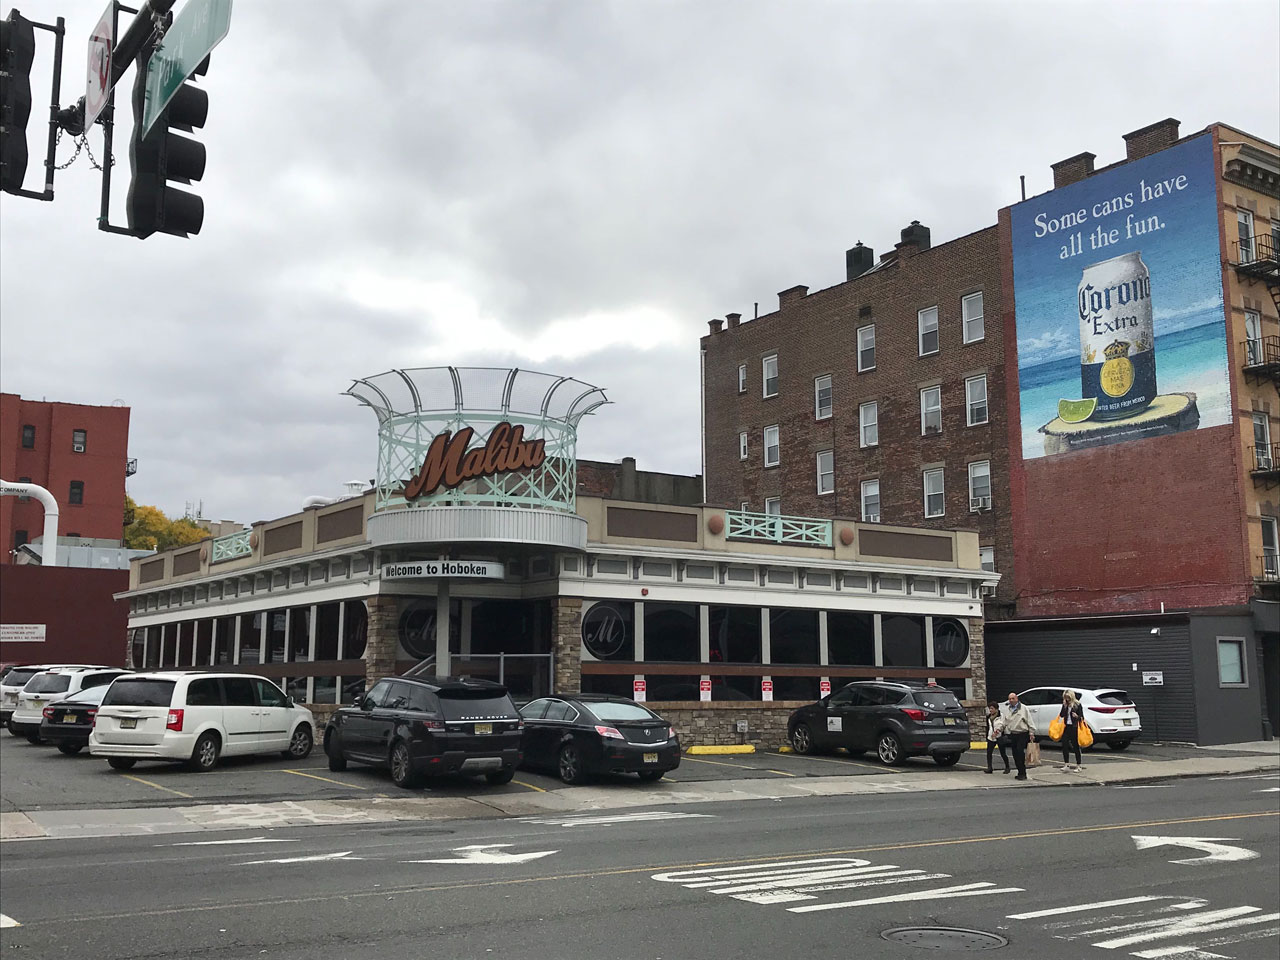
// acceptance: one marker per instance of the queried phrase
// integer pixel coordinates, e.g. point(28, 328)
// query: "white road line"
point(346, 855)
point(1249, 776)
point(1268, 790)
point(941, 893)
point(6, 921)
point(1080, 908)
point(1195, 924)
point(709, 877)
point(219, 843)
point(611, 819)
point(1178, 953)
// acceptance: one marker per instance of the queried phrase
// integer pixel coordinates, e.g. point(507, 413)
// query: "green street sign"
point(197, 30)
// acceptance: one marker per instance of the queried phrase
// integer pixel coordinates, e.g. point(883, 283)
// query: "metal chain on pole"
point(82, 143)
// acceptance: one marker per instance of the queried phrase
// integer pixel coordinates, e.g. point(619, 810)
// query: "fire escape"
point(1256, 261)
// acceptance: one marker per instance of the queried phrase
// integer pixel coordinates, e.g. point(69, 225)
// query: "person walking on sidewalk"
point(1072, 715)
point(1021, 729)
point(995, 735)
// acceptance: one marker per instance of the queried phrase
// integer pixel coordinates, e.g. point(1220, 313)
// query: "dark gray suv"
point(896, 720)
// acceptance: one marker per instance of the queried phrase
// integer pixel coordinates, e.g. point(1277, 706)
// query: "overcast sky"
point(572, 186)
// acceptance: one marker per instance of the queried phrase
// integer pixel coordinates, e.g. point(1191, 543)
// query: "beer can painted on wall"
point(1117, 337)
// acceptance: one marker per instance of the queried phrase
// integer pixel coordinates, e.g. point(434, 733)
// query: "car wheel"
point(649, 776)
point(802, 738)
point(402, 772)
point(33, 738)
point(946, 759)
point(571, 764)
point(1118, 744)
point(499, 778)
point(889, 749)
point(204, 757)
point(300, 744)
point(70, 749)
point(121, 763)
point(337, 762)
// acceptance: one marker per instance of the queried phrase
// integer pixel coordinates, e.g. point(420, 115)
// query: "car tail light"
point(48, 713)
point(671, 733)
point(174, 722)
point(1104, 709)
point(610, 733)
point(93, 717)
point(913, 713)
point(437, 725)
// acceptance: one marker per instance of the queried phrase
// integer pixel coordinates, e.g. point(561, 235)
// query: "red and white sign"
point(825, 687)
point(98, 89)
point(704, 689)
point(638, 690)
point(766, 689)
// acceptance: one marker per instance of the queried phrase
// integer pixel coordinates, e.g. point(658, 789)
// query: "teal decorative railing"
point(231, 546)
point(804, 531)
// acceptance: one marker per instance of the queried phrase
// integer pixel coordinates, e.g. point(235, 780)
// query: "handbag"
point(1056, 728)
point(1033, 754)
point(1085, 735)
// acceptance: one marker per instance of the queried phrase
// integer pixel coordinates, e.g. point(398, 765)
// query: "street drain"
point(944, 938)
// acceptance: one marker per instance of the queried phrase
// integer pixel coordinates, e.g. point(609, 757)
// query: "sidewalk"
point(63, 824)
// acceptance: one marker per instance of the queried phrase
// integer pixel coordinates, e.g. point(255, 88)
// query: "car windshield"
point(139, 692)
point(48, 683)
point(621, 712)
point(937, 700)
point(460, 705)
point(88, 695)
point(1114, 698)
point(18, 676)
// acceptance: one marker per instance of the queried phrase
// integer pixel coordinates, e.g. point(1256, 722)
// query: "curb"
point(725, 750)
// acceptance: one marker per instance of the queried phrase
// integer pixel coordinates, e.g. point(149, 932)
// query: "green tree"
point(149, 529)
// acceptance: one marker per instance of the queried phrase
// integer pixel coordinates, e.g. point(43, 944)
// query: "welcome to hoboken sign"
point(459, 569)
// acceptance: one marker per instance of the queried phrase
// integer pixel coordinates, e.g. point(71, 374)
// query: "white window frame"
point(968, 319)
point(940, 493)
point(817, 397)
point(867, 486)
point(773, 506)
point(742, 445)
point(867, 332)
point(927, 409)
point(776, 445)
point(1271, 553)
point(742, 378)
point(987, 558)
point(1253, 337)
point(970, 402)
point(829, 473)
point(765, 378)
point(1243, 649)
point(977, 470)
point(869, 424)
point(745, 506)
point(1244, 218)
point(921, 323)
point(1262, 439)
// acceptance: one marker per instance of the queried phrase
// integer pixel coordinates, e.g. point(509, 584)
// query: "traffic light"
point(17, 51)
point(162, 156)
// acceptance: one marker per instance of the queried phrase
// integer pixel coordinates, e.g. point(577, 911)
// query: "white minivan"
point(196, 717)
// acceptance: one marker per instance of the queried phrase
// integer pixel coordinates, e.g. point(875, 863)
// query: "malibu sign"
point(448, 461)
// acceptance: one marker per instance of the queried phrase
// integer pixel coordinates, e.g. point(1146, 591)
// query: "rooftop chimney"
point(792, 293)
point(1068, 171)
point(858, 261)
point(1151, 139)
point(915, 239)
point(734, 319)
point(715, 325)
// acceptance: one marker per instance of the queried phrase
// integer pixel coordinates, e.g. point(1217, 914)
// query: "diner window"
point(927, 325)
point(869, 424)
point(934, 496)
point(76, 493)
point(822, 397)
point(769, 369)
point(772, 447)
point(742, 378)
point(866, 348)
point(871, 501)
point(826, 472)
point(930, 411)
point(975, 395)
point(971, 314)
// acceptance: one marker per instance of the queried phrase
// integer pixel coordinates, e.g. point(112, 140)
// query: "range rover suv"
point(429, 726)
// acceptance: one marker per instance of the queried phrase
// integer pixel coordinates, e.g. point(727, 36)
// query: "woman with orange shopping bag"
point(1072, 716)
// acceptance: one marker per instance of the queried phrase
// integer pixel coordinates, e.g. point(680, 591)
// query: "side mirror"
point(288, 702)
point(366, 703)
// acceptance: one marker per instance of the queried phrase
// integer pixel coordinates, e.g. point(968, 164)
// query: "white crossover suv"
point(195, 718)
point(12, 683)
point(1110, 713)
point(49, 685)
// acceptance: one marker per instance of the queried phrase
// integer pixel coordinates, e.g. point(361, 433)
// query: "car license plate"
point(949, 721)
point(650, 758)
point(484, 728)
point(1128, 723)
point(68, 718)
point(128, 723)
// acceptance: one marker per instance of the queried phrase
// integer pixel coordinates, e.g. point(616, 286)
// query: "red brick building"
point(79, 453)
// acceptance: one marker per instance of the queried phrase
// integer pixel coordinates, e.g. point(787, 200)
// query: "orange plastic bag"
point(1085, 737)
point(1056, 728)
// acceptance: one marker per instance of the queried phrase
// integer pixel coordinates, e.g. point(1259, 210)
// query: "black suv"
point(896, 720)
point(429, 726)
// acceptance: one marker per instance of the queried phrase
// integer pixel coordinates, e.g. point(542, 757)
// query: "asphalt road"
point(1060, 873)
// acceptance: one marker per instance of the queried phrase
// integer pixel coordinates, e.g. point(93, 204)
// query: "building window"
point(1252, 337)
point(927, 322)
point(772, 450)
point(1231, 666)
point(23, 498)
point(975, 396)
point(770, 369)
point(987, 556)
point(76, 495)
point(773, 506)
point(866, 348)
point(869, 424)
point(826, 472)
point(822, 397)
point(1270, 548)
point(742, 446)
point(971, 312)
point(1244, 225)
point(19, 538)
point(28, 436)
point(930, 410)
point(871, 501)
point(980, 485)
point(79, 441)
point(742, 378)
point(1262, 458)
point(934, 501)
point(745, 506)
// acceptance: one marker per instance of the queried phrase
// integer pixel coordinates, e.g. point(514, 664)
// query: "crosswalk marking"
point(983, 889)
point(1228, 919)
point(609, 819)
point(1178, 953)
point(1079, 908)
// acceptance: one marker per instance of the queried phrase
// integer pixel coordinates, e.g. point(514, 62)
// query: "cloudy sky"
point(573, 186)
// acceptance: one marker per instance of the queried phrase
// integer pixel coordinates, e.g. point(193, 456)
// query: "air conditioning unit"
point(987, 590)
point(932, 428)
point(977, 504)
point(873, 518)
point(77, 448)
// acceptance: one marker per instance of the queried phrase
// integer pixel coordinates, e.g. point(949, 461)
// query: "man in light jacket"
point(1020, 728)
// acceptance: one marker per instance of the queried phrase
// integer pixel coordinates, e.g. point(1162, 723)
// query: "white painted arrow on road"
point(488, 853)
point(1214, 848)
point(221, 843)
point(345, 855)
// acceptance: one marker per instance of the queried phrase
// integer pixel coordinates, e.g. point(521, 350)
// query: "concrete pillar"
point(442, 628)
point(566, 644)
point(637, 622)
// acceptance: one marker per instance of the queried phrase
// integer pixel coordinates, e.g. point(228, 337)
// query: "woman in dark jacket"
point(1072, 715)
point(995, 735)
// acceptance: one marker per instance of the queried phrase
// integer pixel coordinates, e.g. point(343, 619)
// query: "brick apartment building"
point(79, 453)
point(878, 399)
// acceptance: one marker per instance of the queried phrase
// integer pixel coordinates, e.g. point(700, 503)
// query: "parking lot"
point(38, 777)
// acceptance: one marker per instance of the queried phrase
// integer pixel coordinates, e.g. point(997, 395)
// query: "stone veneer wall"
point(383, 638)
point(566, 644)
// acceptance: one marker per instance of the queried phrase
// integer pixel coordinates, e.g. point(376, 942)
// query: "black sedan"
point(583, 734)
point(68, 722)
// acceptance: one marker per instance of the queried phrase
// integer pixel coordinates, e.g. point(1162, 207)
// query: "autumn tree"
point(147, 528)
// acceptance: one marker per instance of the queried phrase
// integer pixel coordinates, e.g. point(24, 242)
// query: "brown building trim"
point(906, 546)
point(188, 562)
point(651, 524)
point(340, 524)
point(280, 539)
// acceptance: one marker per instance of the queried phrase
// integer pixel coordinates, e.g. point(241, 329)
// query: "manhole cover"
point(944, 938)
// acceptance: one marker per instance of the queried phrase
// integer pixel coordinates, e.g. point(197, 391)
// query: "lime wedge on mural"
point(1077, 411)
